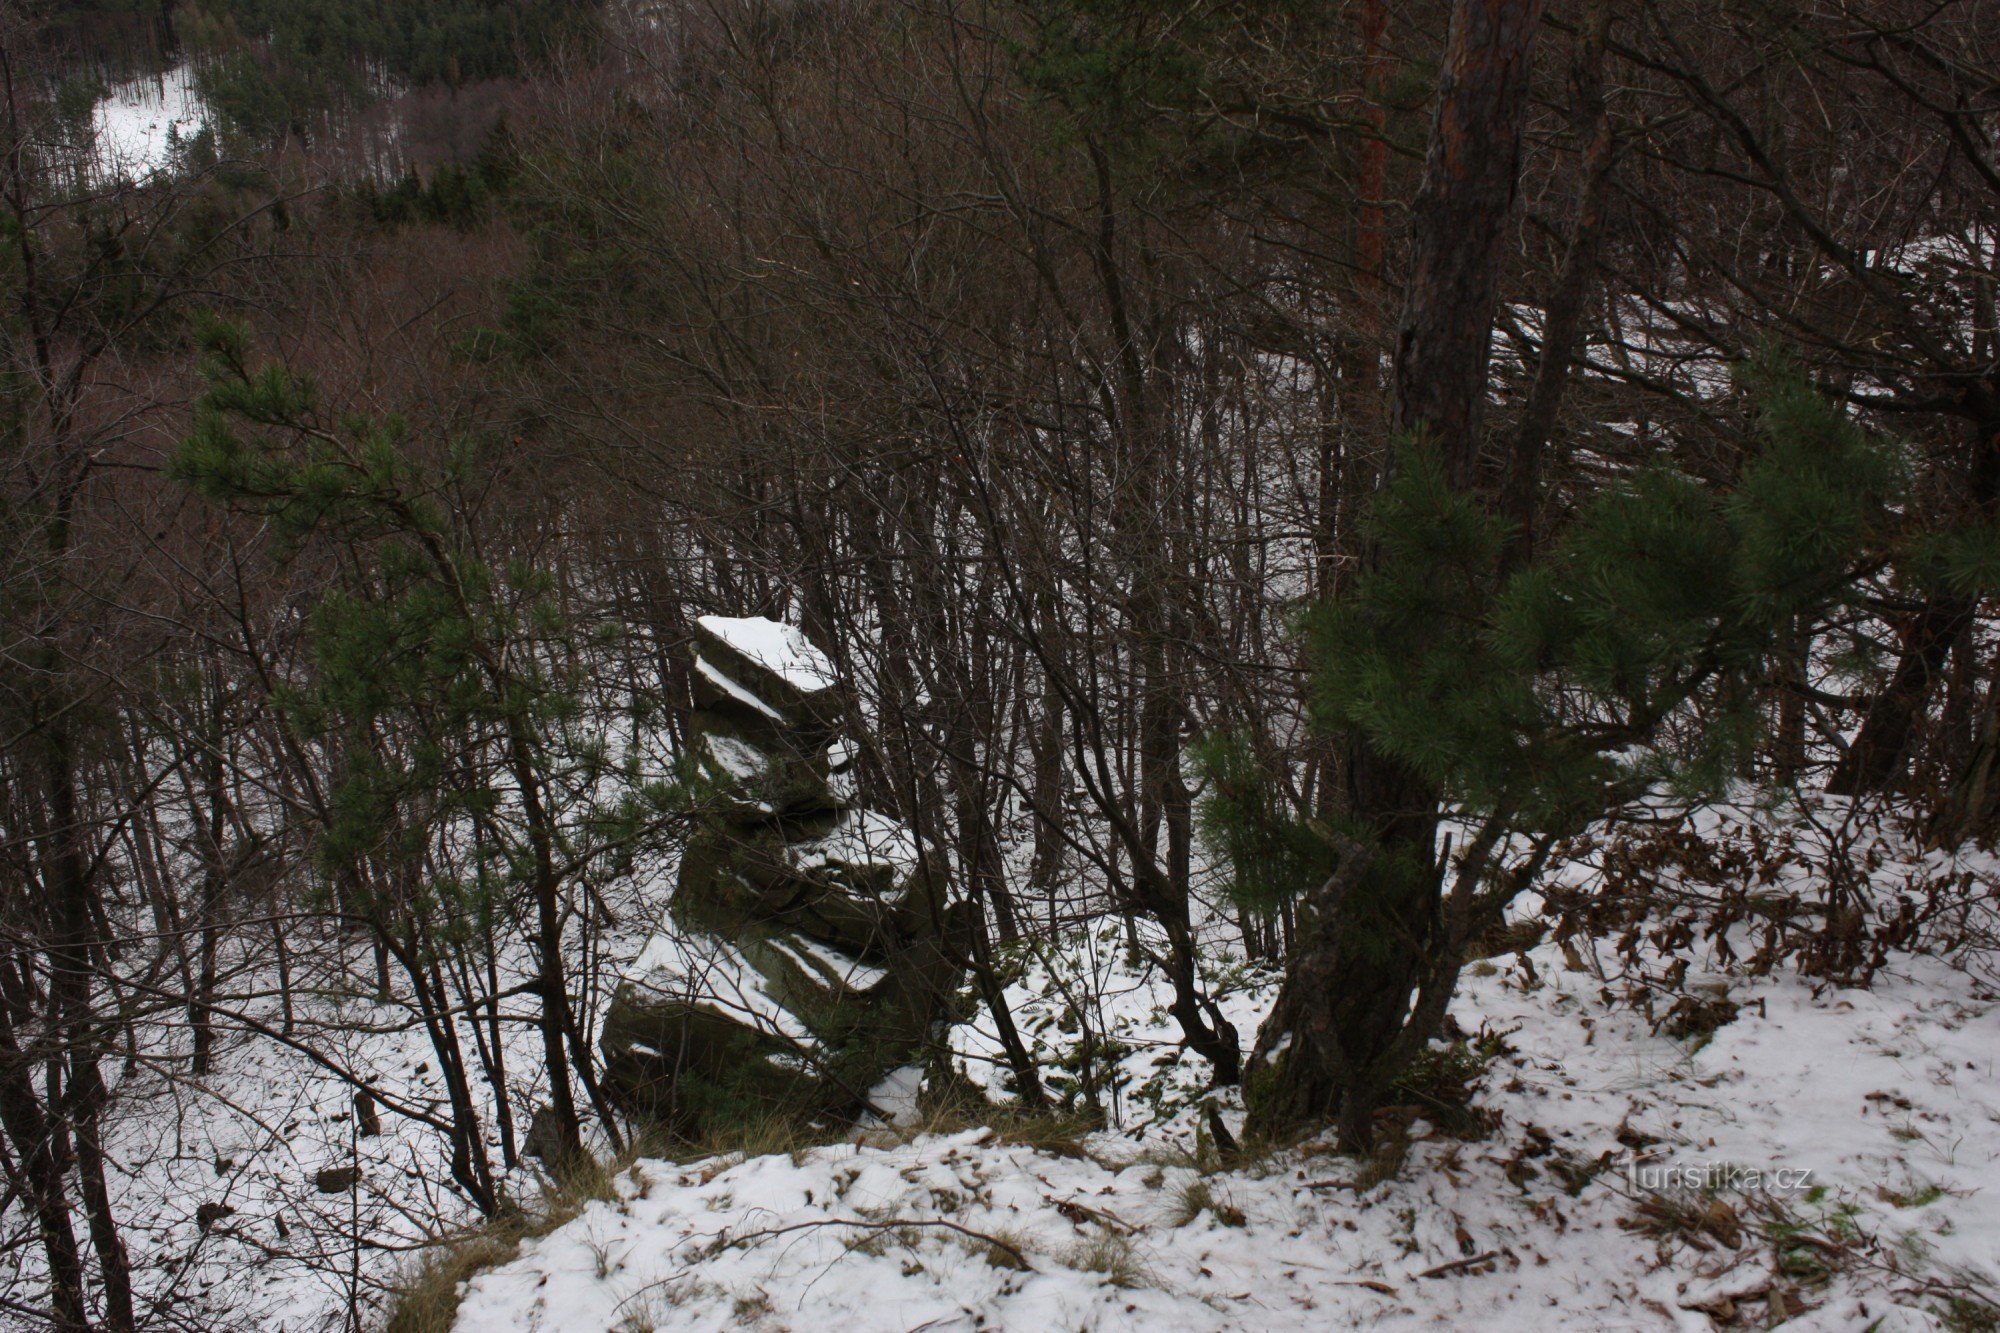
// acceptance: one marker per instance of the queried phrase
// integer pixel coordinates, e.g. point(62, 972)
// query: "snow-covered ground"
point(1889, 1095)
point(1561, 1217)
point(224, 1209)
point(136, 126)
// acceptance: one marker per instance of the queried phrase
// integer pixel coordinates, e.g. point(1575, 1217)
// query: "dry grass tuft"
point(428, 1298)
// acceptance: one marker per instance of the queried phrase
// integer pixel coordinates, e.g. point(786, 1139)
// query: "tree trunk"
point(28, 1130)
point(1879, 758)
point(1369, 935)
point(67, 879)
point(1563, 319)
point(1880, 754)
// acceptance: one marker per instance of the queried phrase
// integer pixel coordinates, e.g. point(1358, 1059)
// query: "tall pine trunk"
point(1370, 936)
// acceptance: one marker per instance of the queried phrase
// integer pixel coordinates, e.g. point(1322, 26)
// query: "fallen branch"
point(1081, 1213)
point(980, 1236)
point(1472, 1261)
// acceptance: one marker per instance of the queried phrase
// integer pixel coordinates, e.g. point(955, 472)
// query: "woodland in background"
point(1222, 444)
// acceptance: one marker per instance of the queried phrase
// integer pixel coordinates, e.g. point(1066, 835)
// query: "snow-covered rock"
point(808, 955)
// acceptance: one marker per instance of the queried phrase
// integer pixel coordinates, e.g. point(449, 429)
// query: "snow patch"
point(715, 974)
point(739, 759)
point(859, 838)
point(137, 125)
point(851, 973)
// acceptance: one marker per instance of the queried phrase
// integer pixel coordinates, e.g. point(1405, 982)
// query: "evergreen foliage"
point(1121, 62)
point(1630, 654)
point(455, 195)
point(448, 683)
point(416, 41)
point(1222, 96)
point(277, 63)
point(1249, 819)
point(585, 259)
point(115, 34)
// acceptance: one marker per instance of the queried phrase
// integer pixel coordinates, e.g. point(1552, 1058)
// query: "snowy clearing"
point(138, 124)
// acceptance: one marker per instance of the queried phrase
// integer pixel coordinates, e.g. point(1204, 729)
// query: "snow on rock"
point(777, 647)
point(736, 759)
point(730, 688)
point(783, 877)
point(896, 1097)
point(709, 971)
point(859, 839)
point(850, 973)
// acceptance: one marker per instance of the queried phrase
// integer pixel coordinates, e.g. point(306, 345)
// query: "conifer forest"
point(999, 664)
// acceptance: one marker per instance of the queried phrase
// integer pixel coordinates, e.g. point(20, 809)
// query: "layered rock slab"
point(807, 954)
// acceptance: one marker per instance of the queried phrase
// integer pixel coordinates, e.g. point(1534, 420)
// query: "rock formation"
point(807, 956)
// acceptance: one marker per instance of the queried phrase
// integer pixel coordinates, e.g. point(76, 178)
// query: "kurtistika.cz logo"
point(1657, 1173)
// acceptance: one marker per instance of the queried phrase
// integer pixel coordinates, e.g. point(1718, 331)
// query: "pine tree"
point(448, 686)
point(1627, 658)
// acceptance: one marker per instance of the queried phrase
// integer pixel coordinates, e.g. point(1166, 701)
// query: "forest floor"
point(1542, 1201)
point(1525, 1189)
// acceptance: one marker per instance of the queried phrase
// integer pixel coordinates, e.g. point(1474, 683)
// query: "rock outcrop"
point(807, 956)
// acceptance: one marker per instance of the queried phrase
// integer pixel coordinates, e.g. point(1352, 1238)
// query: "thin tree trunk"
point(1878, 760)
point(67, 881)
point(27, 1127)
point(1562, 320)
